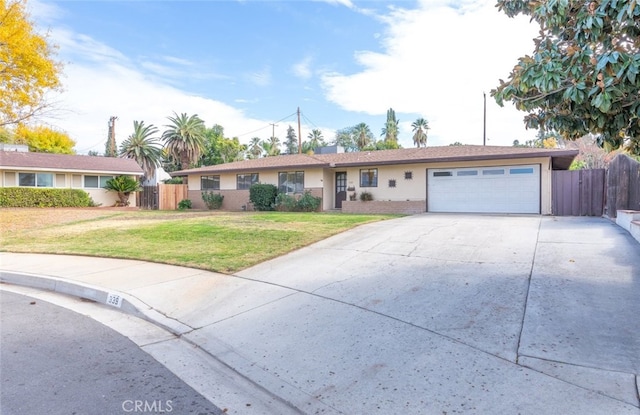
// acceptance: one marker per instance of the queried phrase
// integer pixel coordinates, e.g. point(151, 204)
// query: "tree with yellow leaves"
point(27, 68)
point(44, 139)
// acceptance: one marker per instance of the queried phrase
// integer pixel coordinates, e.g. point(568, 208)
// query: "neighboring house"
point(486, 179)
point(27, 169)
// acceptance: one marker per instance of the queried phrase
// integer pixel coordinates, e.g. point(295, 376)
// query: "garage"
point(494, 189)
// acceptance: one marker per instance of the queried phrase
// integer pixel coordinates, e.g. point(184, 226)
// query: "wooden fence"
point(597, 192)
point(578, 192)
point(162, 196)
point(623, 185)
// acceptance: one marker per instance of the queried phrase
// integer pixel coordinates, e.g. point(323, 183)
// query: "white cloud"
point(302, 69)
point(436, 62)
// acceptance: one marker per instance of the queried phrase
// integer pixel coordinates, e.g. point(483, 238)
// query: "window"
point(523, 170)
point(210, 182)
point(442, 174)
point(492, 172)
point(94, 182)
point(291, 182)
point(35, 179)
point(467, 173)
point(61, 180)
point(369, 178)
point(392, 182)
point(408, 175)
point(104, 180)
point(245, 181)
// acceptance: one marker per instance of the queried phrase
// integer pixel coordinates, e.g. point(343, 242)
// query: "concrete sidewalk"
point(428, 314)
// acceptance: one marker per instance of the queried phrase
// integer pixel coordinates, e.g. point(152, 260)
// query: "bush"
point(285, 203)
point(263, 196)
point(173, 180)
point(308, 202)
point(366, 196)
point(212, 200)
point(184, 204)
point(38, 197)
point(305, 203)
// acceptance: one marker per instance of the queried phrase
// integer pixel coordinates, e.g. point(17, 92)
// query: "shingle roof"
point(562, 158)
point(66, 162)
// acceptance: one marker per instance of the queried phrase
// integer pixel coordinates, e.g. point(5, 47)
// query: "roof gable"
point(67, 162)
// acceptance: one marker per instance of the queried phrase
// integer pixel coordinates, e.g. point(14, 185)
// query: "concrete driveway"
point(428, 314)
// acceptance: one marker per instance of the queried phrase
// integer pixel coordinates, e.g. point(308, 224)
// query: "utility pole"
point(111, 149)
point(273, 130)
point(299, 135)
point(484, 124)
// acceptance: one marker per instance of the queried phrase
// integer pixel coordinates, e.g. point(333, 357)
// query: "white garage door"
point(500, 189)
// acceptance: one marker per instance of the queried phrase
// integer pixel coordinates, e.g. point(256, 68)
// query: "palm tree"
point(390, 129)
point(143, 147)
point(124, 186)
point(255, 147)
point(315, 139)
point(362, 134)
point(272, 147)
point(420, 128)
point(184, 139)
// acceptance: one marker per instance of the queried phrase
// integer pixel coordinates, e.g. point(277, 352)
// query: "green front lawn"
point(217, 241)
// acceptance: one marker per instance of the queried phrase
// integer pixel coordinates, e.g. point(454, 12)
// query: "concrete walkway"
point(428, 314)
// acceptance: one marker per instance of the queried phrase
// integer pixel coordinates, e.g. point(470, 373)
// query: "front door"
point(341, 188)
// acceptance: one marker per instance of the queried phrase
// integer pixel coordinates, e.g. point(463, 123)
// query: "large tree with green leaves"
point(362, 135)
point(420, 128)
point(184, 138)
point(315, 140)
point(255, 149)
point(390, 130)
point(583, 76)
point(218, 149)
point(291, 143)
point(144, 147)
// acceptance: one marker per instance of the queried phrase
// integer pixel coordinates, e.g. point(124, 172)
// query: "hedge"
point(38, 197)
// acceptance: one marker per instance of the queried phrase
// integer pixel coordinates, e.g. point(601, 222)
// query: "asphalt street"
point(56, 361)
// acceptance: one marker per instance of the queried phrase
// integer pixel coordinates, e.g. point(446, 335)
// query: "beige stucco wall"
point(9, 178)
point(413, 190)
point(235, 199)
point(416, 188)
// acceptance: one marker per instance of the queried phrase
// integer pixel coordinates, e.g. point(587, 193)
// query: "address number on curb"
point(114, 300)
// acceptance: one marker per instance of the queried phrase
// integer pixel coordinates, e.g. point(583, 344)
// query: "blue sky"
point(248, 64)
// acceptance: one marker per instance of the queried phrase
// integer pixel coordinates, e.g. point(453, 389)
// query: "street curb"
point(137, 308)
point(124, 302)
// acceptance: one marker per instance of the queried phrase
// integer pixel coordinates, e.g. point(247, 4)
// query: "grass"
point(217, 241)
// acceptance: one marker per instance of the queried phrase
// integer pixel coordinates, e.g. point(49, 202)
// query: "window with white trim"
point(291, 182)
point(369, 178)
point(96, 182)
point(35, 179)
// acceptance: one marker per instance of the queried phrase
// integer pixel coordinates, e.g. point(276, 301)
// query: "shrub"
point(263, 196)
point(184, 204)
point(123, 185)
point(173, 180)
point(308, 202)
point(285, 202)
point(366, 196)
point(38, 197)
point(212, 200)
point(305, 203)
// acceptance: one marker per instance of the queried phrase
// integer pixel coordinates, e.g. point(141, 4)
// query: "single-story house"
point(29, 169)
point(489, 179)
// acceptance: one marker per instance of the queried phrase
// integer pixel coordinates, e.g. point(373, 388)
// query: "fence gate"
point(578, 192)
point(623, 185)
point(148, 197)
